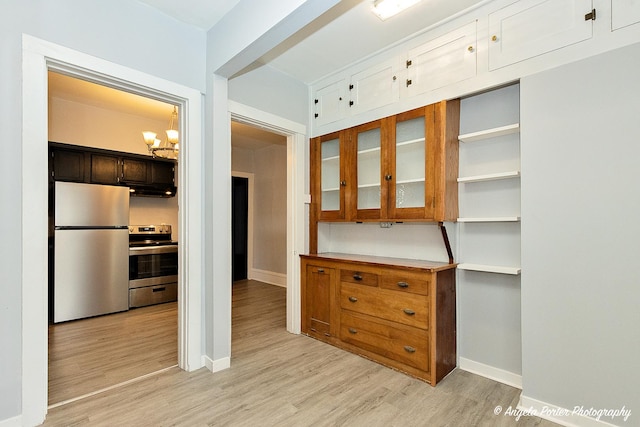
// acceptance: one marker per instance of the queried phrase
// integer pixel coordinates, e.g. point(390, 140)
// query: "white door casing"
point(39, 57)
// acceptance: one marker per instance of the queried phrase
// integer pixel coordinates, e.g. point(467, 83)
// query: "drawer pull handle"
point(353, 299)
point(326, 334)
point(321, 270)
point(409, 349)
point(409, 312)
point(352, 331)
point(357, 277)
point(403, 285)
point(162, 289)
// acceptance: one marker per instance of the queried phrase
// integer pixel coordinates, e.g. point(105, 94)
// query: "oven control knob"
point(131, 229)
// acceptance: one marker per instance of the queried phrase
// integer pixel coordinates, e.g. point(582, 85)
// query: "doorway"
point(239, 226)
point(38, 58)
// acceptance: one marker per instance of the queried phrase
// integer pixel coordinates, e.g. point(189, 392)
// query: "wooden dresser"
point(398, 312)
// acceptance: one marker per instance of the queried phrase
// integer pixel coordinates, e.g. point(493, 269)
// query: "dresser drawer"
point(415, 283)
point(405, 308)
point(355, 276)
point(401, 343)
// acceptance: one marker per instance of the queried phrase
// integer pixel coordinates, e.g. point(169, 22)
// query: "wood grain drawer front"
point(405, 308)
point(406, 282)
point(355, 276)
point(405, 344)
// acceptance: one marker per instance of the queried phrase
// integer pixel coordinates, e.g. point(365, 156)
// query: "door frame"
point(296, 199)
point(250, 178)
point(40, 56)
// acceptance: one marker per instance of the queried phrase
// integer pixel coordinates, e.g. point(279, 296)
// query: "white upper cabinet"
point(624, 13)
point(529, 28)
point(440, 62)
point(374, 87)
point(330, 102)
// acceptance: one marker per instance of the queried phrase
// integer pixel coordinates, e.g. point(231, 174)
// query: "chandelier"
point(169, 148)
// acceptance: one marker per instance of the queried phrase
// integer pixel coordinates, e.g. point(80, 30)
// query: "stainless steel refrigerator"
point(91, 250)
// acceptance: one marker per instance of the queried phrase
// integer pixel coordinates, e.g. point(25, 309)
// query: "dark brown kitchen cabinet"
point(105, 169)
point(163, 173)
point(144, 175)
point(134, 171)
point(68, 165)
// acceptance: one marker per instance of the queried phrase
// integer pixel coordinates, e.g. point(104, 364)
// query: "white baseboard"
point(269, 277)
point(12, 422)
point(218, 364)
point(577, 417)
point(496, 374)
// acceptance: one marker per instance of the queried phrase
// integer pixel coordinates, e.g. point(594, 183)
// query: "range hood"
point(152, 190)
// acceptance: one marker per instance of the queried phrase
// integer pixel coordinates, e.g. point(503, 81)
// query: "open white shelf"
point(490, 133)
point(490, 177)
point(327, 190)
point(490, 268)
point(490, 219)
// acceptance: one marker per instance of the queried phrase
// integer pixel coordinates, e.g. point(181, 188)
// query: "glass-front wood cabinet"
point(402, 167)
point(328, 180)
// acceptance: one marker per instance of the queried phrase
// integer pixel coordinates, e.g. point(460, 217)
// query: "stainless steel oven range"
point(153, 265)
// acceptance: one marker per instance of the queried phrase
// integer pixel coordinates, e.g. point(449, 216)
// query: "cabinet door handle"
point(352, 331)
point(353, 299)
point(388, 177)
point(343, 183)
point(409, 312)
point(403, 285)
point(321, 270)
point(357, 277)
point(409, 349)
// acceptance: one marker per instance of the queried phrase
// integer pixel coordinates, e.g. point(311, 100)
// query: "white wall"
point(580, 234)
point(82, 124)
point(239, 39)
point(269, 90)
point(270, 213)
point(110, 30)
point(269, 166)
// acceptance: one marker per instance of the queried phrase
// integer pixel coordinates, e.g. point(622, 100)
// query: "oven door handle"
point(152, 250)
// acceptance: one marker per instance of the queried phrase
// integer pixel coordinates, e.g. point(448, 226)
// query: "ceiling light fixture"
point(168, 149)
point(387, 8)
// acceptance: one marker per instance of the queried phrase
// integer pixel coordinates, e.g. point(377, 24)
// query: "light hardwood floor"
point(281, 379)
point(92, 354)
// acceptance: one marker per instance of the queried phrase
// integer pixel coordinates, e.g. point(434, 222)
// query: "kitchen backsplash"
point(151, 210)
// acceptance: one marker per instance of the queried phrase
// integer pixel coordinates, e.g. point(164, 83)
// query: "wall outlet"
point(386, 224)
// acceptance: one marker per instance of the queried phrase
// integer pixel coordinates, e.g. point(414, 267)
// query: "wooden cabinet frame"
point(441, 171)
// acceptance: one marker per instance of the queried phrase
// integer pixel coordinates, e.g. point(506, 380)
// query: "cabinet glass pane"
point(330, 175)
point(369, 169)
point(410, 163)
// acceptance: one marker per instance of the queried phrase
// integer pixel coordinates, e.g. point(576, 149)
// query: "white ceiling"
point(345, 34)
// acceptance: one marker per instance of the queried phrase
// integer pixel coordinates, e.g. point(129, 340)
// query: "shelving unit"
point(487, 201)
point(489, 268)
point(490, 133)
point(490, 177)
point(491, 219)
